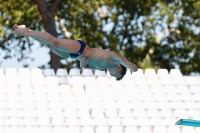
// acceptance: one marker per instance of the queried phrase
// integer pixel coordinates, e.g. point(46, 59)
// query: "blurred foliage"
point(151, 33)
point(179, 41)
point(17, 12)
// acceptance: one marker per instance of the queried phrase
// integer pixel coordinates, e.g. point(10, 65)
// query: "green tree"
point(12, 12)
point(178, 41)
point(150, 33)
point(26, 12)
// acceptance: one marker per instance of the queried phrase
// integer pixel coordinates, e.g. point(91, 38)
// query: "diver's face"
point(115, 71)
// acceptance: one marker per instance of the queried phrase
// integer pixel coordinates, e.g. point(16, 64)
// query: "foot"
point(20, 30)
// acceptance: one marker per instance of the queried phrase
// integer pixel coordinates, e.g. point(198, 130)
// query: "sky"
point(37, 53)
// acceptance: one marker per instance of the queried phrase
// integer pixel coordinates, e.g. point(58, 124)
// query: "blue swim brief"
point(83, 45)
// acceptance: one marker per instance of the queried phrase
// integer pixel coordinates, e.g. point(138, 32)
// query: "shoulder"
point(115, 56)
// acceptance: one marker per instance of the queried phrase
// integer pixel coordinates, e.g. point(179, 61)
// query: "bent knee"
point(54, 41)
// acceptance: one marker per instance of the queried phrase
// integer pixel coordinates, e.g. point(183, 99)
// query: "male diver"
point(92, 58)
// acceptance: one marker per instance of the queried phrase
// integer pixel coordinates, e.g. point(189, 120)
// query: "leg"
point(70, 46)
point(55, 50)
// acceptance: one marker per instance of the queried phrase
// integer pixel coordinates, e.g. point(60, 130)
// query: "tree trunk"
point(50, 27)
point(47, 14)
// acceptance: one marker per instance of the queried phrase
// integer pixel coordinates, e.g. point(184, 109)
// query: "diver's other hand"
point(84, 62)
point(20, 30)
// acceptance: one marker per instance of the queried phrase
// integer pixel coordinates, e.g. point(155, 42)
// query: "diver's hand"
point(20, 30)
point(84, 62)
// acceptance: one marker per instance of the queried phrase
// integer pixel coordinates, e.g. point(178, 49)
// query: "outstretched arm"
point(122, 60)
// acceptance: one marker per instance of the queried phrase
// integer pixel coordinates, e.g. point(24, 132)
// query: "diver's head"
point(118, 72)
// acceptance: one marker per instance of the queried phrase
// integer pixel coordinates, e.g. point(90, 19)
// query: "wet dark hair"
point(123, 72)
